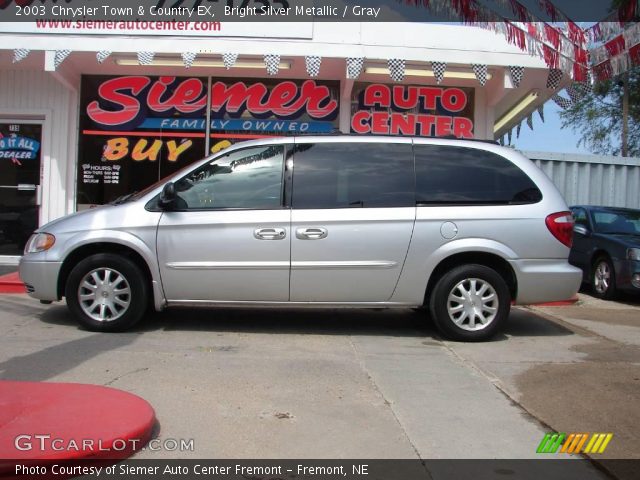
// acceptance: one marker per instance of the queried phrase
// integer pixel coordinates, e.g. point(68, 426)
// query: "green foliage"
point(597, 117)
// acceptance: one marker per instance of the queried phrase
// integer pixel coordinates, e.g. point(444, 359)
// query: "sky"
point(548, 136)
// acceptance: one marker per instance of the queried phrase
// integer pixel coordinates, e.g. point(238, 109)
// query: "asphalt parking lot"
point(350, 384)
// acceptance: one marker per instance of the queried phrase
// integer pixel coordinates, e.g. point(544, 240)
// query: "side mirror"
point(168, 197)
point(582, 230)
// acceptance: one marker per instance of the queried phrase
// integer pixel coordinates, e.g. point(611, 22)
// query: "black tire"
point(603, 287)
point(466, 277)
point(136, 298)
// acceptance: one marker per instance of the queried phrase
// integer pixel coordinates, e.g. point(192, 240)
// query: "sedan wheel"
point(603, 279)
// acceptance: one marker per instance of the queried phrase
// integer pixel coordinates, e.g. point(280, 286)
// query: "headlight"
point(633, 254)
point(39, 242)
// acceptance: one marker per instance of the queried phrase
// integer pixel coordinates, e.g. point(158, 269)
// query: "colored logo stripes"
point(574, 443)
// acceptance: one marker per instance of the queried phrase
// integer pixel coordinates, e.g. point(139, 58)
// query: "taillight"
point(561, 226)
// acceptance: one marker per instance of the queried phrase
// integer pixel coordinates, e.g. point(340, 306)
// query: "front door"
point(20, 155)
point(353, 210)
point(228, 238)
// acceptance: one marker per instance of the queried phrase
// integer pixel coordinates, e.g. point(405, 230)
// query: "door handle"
point(269, 233)
point(311, 233)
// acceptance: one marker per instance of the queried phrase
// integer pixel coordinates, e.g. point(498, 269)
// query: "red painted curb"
point(47, 423)
point(561, 303)
point(10, 283)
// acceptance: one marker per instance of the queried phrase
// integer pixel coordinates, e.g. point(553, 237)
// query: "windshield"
point(617, 221)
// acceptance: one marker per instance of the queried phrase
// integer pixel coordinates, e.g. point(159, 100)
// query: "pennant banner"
point(188, 58)
point(541, 112)
point(59, 57)
point(480, 72)
point(516, 74)
point(354, 67)
point(229, 59)
point(146, 58)
point(438, 68)
point(20, 54)
point(554, 78)
point(312, 64)
point(530, 121)
point(102, 55)
point(272, 63)
point(396, 69)
point(562, 102)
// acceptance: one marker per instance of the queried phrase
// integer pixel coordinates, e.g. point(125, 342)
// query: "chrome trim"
point(311, 233)
point(227, 265)
point(246, 303)
point(270, 233)
point(341, 265)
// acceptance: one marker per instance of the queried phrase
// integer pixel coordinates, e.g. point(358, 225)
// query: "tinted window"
point(344, 175)
point(617, 222)
point(248, 178)
point(580, 217)
point(467, 176)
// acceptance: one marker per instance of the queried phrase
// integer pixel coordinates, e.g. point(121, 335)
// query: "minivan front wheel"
point(470, 303)
point(106, 292)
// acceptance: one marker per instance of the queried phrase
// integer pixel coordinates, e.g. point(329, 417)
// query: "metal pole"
point(625, 115)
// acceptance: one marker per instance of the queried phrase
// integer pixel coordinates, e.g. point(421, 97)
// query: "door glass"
point(353, 175)
point(20, 155)
point(250, 178)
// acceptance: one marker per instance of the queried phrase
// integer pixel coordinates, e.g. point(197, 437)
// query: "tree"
point(608, 118)
point(598, 116)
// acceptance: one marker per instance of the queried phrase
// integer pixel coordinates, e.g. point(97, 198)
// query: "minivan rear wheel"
point(470, 303)
point(106, 293)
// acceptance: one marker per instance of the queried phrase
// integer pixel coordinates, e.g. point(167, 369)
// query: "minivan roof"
point(449, 137)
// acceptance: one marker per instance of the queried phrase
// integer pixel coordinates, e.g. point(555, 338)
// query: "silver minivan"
point(464, 228)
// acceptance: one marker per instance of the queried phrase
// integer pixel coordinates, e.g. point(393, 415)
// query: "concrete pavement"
point(345, 384)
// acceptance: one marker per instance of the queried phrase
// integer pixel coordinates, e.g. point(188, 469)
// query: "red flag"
point(551, 57)
point(553, 35)
point(634, 54)
point(603, 71)
point(616, 46)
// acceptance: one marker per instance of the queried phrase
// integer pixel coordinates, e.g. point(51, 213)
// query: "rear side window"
point(353, 175)
point(468, 176)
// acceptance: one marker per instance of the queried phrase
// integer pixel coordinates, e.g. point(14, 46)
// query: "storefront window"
point(135, 130)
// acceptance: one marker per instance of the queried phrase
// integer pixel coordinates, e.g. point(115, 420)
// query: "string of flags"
point(354, 66)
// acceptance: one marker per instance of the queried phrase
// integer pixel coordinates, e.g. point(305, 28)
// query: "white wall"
point(31, 94)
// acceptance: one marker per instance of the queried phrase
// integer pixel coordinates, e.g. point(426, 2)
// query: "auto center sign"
point(428, 111)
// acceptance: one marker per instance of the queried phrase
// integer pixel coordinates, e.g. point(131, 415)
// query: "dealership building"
point(88, 114)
